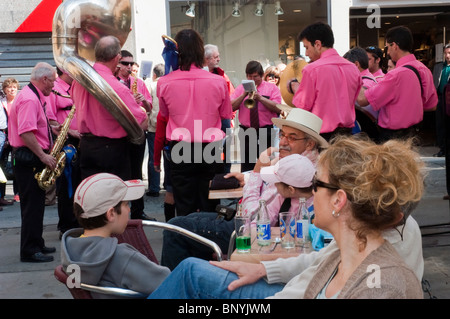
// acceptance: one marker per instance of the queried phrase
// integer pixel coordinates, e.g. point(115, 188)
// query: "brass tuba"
point(77, 26)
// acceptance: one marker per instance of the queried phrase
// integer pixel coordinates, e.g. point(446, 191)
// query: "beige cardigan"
point(397, 281)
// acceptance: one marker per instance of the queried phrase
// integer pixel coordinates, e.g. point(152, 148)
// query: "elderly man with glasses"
point(299, 134)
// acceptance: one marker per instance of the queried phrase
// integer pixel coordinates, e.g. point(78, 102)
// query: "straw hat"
point(304, 121)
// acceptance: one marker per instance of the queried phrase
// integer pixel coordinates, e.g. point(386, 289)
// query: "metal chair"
point(135, 236)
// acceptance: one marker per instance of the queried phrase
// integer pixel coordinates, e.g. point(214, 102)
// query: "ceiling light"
point(278, 10)
point(259, 12)
point(236, 12)
point(191, 11)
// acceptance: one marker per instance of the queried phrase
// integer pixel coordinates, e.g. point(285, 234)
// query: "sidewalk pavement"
point(36, 281)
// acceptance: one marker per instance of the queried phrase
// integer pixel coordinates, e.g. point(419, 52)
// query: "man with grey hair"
point(104, 147)
point(30, 136)
point(212, 60)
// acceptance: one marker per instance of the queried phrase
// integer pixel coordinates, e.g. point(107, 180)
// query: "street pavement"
point(20, 280)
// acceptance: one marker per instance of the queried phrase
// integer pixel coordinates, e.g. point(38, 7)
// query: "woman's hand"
point(248, 273)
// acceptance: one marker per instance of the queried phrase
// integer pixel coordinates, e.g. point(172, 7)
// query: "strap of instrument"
point(49, 130)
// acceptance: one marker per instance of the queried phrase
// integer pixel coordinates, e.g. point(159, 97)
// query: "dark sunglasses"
point(273, 76)
point(318, 183)
point(126, 63)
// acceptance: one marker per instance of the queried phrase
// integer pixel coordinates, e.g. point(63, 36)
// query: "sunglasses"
point(318, 183)
point(273, 76)
point(126, 63)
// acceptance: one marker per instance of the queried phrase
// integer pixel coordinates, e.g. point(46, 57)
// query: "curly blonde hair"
point(381, 181)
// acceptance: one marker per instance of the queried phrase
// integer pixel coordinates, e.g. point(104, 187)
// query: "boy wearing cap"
point(292, 176)
point(101, 205)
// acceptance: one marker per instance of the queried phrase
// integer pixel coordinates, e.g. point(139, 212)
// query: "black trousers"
point(137, 152)
point(32, 208)
point(104, 155)
point(252, 143)
point(67, 219)
point(190, 177)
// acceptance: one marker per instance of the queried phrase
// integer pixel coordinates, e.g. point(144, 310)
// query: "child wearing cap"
point(292, 176)
point(101, 205)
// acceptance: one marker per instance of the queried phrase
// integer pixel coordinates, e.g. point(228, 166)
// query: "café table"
point(225, 193)
point(263, 253)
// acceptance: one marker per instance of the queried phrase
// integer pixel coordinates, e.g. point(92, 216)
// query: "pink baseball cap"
point(98, 193)
point(294, 170)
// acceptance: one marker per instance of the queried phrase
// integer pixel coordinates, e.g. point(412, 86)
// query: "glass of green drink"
point(243, 234)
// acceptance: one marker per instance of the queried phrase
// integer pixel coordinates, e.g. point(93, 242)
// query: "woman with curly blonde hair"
point(360, 190)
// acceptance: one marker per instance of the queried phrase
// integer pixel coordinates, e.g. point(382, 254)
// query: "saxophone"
point(48, 177)
point(134, 87)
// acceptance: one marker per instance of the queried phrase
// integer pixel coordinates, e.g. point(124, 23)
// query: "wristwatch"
point(290, 85)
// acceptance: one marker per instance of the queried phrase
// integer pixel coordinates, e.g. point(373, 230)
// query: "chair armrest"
point(120, 292)
point(231, 244)
point(187, 233)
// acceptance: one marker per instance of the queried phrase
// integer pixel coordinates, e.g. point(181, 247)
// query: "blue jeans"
point(198, 279)
point(153, 176)
point(177, 247)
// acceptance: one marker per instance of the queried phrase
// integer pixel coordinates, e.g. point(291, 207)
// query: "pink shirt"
point(265, 115)
point(256, 189)
point(379, 75)
point(368, 81)
point(27, 115)
point(92, 117)
point(329, 88)
point(398, 96)
point(60, 106)
point(194, 102)
point(141, 88)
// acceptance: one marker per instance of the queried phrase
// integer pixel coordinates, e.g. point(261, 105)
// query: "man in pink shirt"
point(60, 103)
point(29, 134)
point(137, 151)
point(329, 85)
point(365, 116)
point(402, 96)
point(256, 122)
point(104, 146)
point(194, 102)
point(375, 55)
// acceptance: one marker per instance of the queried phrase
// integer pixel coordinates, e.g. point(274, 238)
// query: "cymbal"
point(292, 70)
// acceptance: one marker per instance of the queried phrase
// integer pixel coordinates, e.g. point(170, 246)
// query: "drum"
point(292, 70)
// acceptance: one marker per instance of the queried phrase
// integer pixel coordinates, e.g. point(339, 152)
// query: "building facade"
point(25, 28)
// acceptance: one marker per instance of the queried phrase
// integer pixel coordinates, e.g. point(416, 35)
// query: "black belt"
point(90, 135)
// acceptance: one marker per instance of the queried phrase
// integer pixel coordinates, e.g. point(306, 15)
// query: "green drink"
point(243, 244)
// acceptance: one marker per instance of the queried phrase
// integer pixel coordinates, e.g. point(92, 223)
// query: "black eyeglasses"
point(318, 183)
point(273, 76)
point(126, 63)
point(290, 138)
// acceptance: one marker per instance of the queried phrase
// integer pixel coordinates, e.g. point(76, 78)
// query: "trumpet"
point(250, 102)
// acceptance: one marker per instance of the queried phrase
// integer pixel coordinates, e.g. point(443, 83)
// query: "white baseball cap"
point(294, 170)
point(98, 193)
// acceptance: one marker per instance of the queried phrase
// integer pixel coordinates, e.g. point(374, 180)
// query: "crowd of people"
point(188, 115)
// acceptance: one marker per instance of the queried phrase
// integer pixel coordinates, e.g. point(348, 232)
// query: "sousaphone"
point(77, 26)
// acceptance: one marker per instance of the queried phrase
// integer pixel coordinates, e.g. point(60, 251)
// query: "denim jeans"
point(198, 279)
point(177, 247)
point(154, 178)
